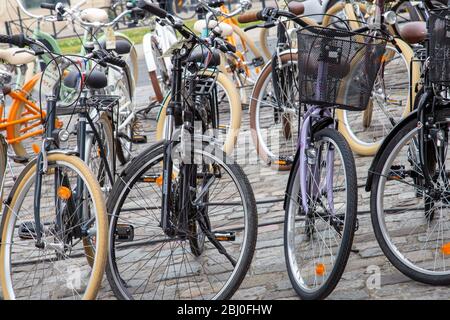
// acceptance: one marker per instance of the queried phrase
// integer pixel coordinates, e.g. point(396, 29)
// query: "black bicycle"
point(183, 215)
point(409, 177)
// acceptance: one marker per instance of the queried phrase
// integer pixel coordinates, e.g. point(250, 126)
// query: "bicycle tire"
point(24, 181)
point(261, 148)
point(349, 225)
point(399, 257)
point(235, 109)
point(135, 172)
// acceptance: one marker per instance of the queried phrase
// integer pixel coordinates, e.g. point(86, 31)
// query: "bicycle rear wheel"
point(390, 102)
point(66, 267)
point(274, 123)
point(317, 242)
point(146, 263)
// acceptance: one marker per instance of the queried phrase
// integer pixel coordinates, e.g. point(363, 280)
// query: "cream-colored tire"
point(50, 273)
point(235, 111)
point(365, 148)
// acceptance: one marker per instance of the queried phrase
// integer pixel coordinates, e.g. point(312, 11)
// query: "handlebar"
point(153, 9)
point(49, 6)
point(250, 16)
point(269, 14)
point(19, 40)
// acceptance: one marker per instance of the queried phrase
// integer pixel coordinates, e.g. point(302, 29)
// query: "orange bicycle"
point(24, 118)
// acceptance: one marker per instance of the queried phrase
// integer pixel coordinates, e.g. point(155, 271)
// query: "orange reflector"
point(36, 148)
point(64, 193)
point(320, 269)
point(149, 179)
point(445, 249)
point(159, 181)
point(59, 124)
point(280, 162)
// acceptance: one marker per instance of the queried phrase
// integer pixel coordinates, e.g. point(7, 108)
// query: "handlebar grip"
point(250, 16)
point(49, 6)
point(118, 62)
point(153, 9)
point(18, 40)
point(230, 47)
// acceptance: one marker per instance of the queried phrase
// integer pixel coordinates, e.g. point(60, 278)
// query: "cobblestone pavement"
point(268, 278)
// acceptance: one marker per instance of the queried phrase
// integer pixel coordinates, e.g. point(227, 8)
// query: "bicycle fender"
point(8, 200)
point(291, 177)
point(383, 146)
point(322, 124)
point(148, 52)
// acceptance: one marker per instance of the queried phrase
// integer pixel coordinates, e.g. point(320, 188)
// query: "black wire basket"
point(439, 47)
point(338, 68)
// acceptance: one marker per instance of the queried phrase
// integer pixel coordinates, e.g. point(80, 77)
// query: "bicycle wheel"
point(21, 110)
point(412, 222)
point(274, 124)
point(61, 269)
point(390, 102)
point(229, 109)
point(160, 78)
point(317, 242)
point(146, 263)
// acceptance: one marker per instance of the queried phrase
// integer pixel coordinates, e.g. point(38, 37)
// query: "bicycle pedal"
point(20, 160)
point(27, 230)
point(225, 236)
point(397, 173)
point(124, 233)
point(282, 161)
point(139, 139)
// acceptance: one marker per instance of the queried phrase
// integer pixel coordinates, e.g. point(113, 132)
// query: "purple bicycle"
point(336, 69)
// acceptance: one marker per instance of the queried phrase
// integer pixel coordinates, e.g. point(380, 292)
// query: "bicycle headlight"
point(63, 135)
point(390, 17)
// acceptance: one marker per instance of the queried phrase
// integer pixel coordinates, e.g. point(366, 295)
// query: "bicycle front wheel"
point(208, 256)
point(318, 239)
point(412, 220)
point(65, 267)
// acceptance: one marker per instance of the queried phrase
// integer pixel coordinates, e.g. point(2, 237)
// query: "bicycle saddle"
point(122, 46)
point(95, 80)
point(297, 8)
point(93, 15)
point(216, 3)
point(199, 55)
point(225, 29)
point(311, 67)
point(14, 57)
point(413, 32)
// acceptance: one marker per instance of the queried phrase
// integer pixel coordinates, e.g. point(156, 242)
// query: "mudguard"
point(325, 122)
point(391, 136)
point(384, 144)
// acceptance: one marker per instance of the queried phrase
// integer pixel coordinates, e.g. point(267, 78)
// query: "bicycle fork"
point(42, 167)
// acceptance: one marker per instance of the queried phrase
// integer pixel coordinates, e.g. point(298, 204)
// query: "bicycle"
point(321, 195)
point(23, 119)
point(62, 242)
point(119, 83)
point(393, 97)
point(274, 132)
point(412, 230)
point(183, 215)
